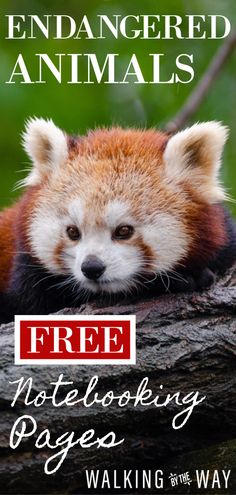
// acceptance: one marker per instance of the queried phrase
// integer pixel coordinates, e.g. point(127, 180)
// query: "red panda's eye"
point(123, 232)
point(73, 232)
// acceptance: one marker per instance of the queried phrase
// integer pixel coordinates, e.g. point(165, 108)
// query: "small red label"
point(75, 339)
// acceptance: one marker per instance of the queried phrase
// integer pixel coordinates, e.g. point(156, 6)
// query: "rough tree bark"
point(186, 343)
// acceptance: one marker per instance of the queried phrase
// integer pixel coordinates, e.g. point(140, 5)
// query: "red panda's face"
point(119, 207)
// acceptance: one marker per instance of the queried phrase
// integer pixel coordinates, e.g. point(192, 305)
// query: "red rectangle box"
point(77, 339)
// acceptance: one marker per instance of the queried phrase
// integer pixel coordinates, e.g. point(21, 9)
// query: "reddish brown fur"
point(13, 228)
point(110, 143)
point(58, 254)
point(206, 226)
point(147, 253)
point(7, 243)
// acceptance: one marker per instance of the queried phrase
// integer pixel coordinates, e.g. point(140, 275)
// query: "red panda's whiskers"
point(177, 276)
point(162, 275)
point(64, 283)
point(42, 280)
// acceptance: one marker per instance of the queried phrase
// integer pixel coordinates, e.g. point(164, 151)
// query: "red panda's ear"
point(194, 155)
point(46, 146)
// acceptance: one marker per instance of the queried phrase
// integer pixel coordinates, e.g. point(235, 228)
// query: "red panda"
point(114, 212)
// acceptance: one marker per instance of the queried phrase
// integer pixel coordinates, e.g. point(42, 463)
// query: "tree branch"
point(185, 342)
point(199, 93)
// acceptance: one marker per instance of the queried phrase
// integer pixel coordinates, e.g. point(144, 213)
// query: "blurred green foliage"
point(76, 108)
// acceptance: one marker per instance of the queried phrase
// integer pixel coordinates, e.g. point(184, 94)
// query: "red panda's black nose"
point(92, 268)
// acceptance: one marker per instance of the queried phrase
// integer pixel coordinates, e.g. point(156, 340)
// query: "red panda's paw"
point(187, 282)
point(205, 279)
point(6, 311)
